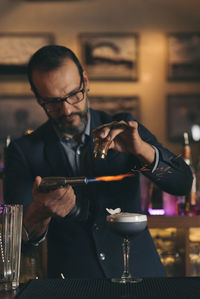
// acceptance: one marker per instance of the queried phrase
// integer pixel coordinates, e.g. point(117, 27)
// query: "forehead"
point(57, 82)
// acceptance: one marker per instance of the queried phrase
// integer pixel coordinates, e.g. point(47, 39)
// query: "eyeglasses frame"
point(61, 100)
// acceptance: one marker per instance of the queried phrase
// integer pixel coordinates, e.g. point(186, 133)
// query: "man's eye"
point(53, 101)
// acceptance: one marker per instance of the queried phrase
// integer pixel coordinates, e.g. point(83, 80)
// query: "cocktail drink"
point(126, 225)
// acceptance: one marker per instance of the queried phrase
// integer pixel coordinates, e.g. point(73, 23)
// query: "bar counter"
point(151, 288)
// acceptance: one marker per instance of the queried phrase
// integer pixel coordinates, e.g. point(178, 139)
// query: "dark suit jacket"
point(83, 246)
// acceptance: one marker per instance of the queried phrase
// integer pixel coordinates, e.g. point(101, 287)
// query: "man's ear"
point(86, 81)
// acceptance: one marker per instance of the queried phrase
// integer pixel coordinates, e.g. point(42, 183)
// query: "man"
point(74, 218)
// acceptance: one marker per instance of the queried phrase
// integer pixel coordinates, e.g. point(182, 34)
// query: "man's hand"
point(58, 202)
point(47, 205)
point(124, 137)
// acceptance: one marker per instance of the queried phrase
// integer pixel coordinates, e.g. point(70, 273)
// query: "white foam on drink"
point(127, 217)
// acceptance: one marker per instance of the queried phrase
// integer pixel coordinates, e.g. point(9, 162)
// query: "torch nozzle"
point(52, 183)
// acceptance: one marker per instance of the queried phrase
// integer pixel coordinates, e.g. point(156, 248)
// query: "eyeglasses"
point(54, 104)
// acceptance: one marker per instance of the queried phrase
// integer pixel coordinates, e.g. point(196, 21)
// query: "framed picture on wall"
point(183, 116)
point(55, 0)
point(114, 105)
point(184, 56)
point(19, 113)
point(17, 48)
point(110, 56)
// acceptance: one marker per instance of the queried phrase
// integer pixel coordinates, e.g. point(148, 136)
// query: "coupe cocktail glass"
point(126, 225)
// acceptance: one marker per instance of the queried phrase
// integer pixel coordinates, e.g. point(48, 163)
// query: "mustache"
point(65, 117)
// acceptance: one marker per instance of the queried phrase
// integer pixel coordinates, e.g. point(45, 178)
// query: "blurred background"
point(141, 55)
point(151, 20)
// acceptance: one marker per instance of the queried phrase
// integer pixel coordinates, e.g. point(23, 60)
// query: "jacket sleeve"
point(19, 179)
point(172, 174)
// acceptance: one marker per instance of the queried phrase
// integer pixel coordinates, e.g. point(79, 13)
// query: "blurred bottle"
point(198, 185)
point(144, 190)
point(156, 196)
point(156, 200)
point(170, 204)
point(4, 142)
point(151, 197)
point(187, 203)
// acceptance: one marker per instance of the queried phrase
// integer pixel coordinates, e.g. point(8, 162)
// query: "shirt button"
point(65, 138)
point(96, 227)
point(102, 256)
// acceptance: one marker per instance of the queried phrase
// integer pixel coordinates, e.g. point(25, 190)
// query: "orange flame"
point(113, 178)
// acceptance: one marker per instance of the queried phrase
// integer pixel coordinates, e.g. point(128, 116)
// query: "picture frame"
point(19, 113)
point(183, 112)
point(17, 48)
point(56, 0)
point(110, 56)
point(183, 63)
point(116, 104)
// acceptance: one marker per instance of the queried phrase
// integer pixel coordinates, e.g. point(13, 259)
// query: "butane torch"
point(52, 183)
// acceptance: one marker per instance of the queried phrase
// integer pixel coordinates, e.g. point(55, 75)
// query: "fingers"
point(57, 202)
point(103, 133)
point(55, 194)
point(118, 135)
point(65, 192)
point(110, 130)
point(133, 124)
point(63, 204)
point(117, 129)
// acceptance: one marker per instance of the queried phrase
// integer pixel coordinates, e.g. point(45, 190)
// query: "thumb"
point(133, 124)
point(36, 184)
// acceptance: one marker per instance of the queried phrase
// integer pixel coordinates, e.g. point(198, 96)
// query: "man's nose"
point(66, 108)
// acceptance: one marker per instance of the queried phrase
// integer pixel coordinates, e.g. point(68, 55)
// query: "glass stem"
point(126, 251)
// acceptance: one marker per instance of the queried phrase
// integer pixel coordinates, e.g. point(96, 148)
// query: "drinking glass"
point(126, 225)
point(10, 245)
point(101, 147)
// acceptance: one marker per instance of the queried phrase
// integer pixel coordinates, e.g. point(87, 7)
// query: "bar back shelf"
point(183, 225)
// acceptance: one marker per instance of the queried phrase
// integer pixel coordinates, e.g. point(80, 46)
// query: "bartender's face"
point(70, 117)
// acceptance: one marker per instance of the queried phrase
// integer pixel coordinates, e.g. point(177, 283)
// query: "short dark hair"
point(49, 58)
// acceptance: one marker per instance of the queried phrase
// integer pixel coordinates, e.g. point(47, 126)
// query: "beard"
point(69, 128)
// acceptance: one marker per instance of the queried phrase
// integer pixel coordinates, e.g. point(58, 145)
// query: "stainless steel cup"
point(10, 245)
